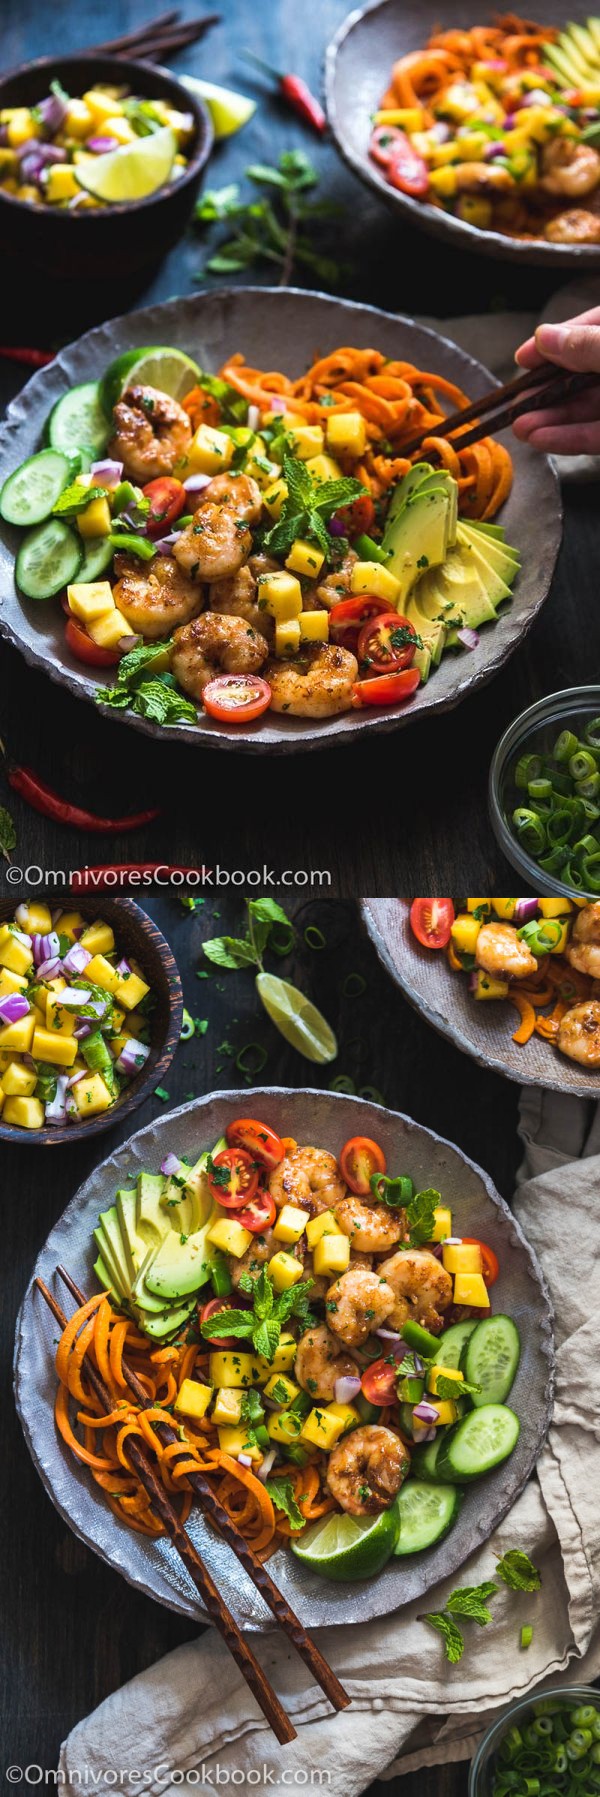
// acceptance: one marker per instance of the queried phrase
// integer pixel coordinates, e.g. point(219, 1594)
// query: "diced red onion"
point(76, 959)
point(493, 150)
point(452, 1241)
point(436, 1249)
point(27, 149)
point(48, 969)
point(467, 637)
point(536, 97)
point(509, 119)
point(388, 1335)
point(14, 1007)
point(108, 472)
point(39, 948)
point(440, 132)
point(22, 916)
point(277, 403)
point(196, 483)
point(244, 1459)
point(83, 1030)
point(426, 1413)
point(3, 136)
point(126, 643)
point(132, 1056)
point(55, 1109)
point(265, 1467)
point(49, 154)
point(253, 419)
point(74, 997)
point(23, 937)
point(473, 979)
point(71, 1107)
point(100, 145)
point(346, 1389)
point(97, 1006)
point(123, 966)
point(74, 1078)
point(170, 1165)
point(134, 518)
point(525, 910)
point(52, 942)
point(496, 65)
point(164, 545)
point(52, 112)
point(336, 527)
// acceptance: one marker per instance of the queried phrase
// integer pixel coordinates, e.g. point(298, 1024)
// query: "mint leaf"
point(228, 1322)
point(298, 482)
point(281, 1493)
point(453, 1639)
point(420, 1216)
point(329, 495)
point(75, 499)
point(451, 1388)
point(291, 1303)
point(139, 660)
point(278, 540)
point(265, 1337)
point(263, 1297)
point(162, 704)
point(471, 1601)
point(230, 951)
point(8, 834)
point(518, 1571)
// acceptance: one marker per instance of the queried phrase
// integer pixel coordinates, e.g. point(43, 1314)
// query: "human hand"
point(573, 428)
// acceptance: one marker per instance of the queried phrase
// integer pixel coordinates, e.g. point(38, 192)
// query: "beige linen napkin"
point(191, 1720)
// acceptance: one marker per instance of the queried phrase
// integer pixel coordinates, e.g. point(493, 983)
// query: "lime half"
point(168, 369)
point(349, 1547)
point(299, 1021)
point(131, 172)
point(228, 110)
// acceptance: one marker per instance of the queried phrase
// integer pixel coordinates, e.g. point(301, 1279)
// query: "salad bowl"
point(328, 1119)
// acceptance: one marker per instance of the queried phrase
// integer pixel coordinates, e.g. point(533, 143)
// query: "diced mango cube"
point(285, 1270)
point(503, 907)
point(118, 127)
point(108, 630)
point(291, 1223)
point(11, 982)
point(69, 924)
point(193, 1398)
point(331, 1255)
point(446, 1409)
point(322, 1429)
point(347, 1413)
point(61, 184)
point(443, 181)
point(487, 987)
point(465, 1257)
point(79, 120)
point(274, 498)
point(98, 938)
point(305, 558)
point(227, 1407)
point(464, 933)
point(131, 990)
point(372, 577)
point(443, 1222)
point(325, 1224)
point(18, 1036)
point(283, 1358)
point(90, 599)
point(91, 1095)
point(324, 467)
point(58, 1018)
point(558, 947)
point(96, 520)
point(36, 919)
point(443, 1372)
point(101, 105)
point(230, 1236)
point(19, 1081)
point(306, 439)
point(287, 637)
point(210, 451)
point(314, 626)
point(281, 1390)
point(280, 594)
point(228, 1367)
point(558, 907)
point(470, 1288)
point(14, 952)
point(1, 1097)
point(480, 904)
point(21, 126)
point(26, 1113)
point(347, 431)
point(102, 973)
point(49, 1046)
point(284, 1426)
point(235, 1441)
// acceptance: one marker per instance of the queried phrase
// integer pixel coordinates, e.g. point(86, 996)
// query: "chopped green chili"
point(314, 937)
point(354, 986)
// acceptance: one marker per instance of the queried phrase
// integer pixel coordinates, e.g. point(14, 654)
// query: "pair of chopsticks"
point(537, 388)
point(161, 37)
point(212, 1600)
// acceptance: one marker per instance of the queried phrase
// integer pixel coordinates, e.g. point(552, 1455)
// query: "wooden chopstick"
point(214, 1603)
point(212, 1508)
point(152, 29)
point(161, 37)
point(545, 386)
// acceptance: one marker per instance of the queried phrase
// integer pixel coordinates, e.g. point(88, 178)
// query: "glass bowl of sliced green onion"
point(544, 793)
point(549, 1742)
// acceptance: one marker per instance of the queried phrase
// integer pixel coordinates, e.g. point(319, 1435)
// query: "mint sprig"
point(518, 1571)
point(281, 1493)
point(308, 507)
point(263, 1324)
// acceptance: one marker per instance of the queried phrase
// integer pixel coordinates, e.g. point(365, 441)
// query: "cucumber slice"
point(491, 1359)
point(49, 558)
point(425, 1458)
point(479, 1442)
point(30, 492)
point(452, 1343)
point(77, 421)
point(426, 1513)
point(97, 556)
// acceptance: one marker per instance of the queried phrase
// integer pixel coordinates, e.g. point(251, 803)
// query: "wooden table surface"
point(73, 1631)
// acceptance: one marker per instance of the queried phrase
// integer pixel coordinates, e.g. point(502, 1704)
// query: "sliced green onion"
point(565, 746)
point(187, 1027)
point(540, 788)
point(562, 785)
point(542, 935)
point(526, 1640)
point(314, 937)
point(252, 1058)
point(560, 826)
point(371, 1095)
point(528, 768)
point(590, 872)
point(530, 830)
point(282, 940)
point(588, 788)
point(581, 764)
point(592, 733)
point(587, 845)
point(354, 986)
point(343, 1083)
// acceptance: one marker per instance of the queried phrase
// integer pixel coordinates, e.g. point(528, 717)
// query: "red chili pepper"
point(33, 358)
point(128, 873)
point(24, 781)
point(297, 93)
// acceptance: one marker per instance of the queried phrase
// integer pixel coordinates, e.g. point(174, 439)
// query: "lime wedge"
point(299, 1021)
point(228, 110)
point(349, 1547)
point(168, 369)
point(131, 172)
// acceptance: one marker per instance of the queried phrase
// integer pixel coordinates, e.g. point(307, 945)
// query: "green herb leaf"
point(453, 1638)
point(163, 704)
point(75, 499)
point(452, 1388)
point(420, 1213)
point(230, 951)
point(8, 834)
point(471, 1600)
point(518, 1571)
point(281, 1493)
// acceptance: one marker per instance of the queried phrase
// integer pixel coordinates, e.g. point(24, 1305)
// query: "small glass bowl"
point(482, 1767)
point(536, 729)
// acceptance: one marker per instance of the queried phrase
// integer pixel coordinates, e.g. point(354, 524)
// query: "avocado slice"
point(496, 587)
point(419, 472)
point(152, 1221)
point(134, 1248)
point(181, 1266)
point(506, 561)
point(487, 530)
point(456, 590)
point(144, 1299)
point(108, 1222)
point(417, 538)
point(580, 40)
point(105, 1279)
point(160, 1328)
point(563, 64)
point(115, 1272)
point(432, 632)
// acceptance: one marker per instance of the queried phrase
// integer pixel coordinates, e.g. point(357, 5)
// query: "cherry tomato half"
point(257, 1139)
point(386, 644)
point(81, 645)
point(431, 921)
point(233, 1178)
point(258, 1215)
point(359, 1159)
point(168, 498)
point(378, 1382)
point(236, 698)
point(233, 1302)
point(490, 1262)
point(384, 140)
point(357, 517)
point(407, 171)
point(347, 619)
point(387, 689)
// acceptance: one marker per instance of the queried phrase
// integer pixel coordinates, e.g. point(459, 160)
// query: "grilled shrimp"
point(152, 433)
point(320, 1360)
point(583, 951)
point(372, 1228)
point(316, 683)
point(499, 951)
point(336, 586)
point(261, 1248)
point(238, 596)
point(569, 167)
point(574, 226)
point(579, 1033)
point(421, 1286)
point(356, 1305)
point(213, 645)
point(309, 1177)
point(219, 540)
point(154, 599)
point(366, 1469)
point(481, 177)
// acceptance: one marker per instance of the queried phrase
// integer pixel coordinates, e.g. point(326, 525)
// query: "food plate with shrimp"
point(512, 982)
point(215, 552)
point(482, 130)
point(311, 1335)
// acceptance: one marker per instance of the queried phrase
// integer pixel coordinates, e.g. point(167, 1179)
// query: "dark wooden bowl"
point(358, 68)
point(123, 238)
point(136, 934)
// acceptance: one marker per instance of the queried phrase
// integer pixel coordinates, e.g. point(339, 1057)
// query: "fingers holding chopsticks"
point(572, 428)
